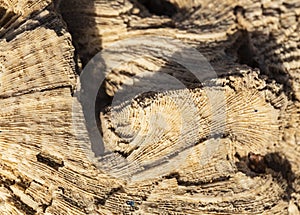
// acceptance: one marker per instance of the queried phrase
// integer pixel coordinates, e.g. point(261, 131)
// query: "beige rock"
point(186, 148)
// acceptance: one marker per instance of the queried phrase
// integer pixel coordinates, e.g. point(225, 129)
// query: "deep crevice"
point(21, 205)
point(82, 26)
point(243, 50)
point(45, 206)
point(74, 203)
point(160, 7)
point(26, 92)
point(195, 183)
point(50, 160)
point(102, 201)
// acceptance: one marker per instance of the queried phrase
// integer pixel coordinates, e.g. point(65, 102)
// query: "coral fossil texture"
point(226, 146)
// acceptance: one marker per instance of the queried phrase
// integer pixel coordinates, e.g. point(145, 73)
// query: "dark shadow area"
point(278, 166)
point(194, 183)
point(242, 50)
point(49, 160)
point(80, 17)
point(278, 163)
point(159, 7)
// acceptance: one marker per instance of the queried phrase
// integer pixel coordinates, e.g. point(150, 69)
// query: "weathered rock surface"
point(253, 46)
